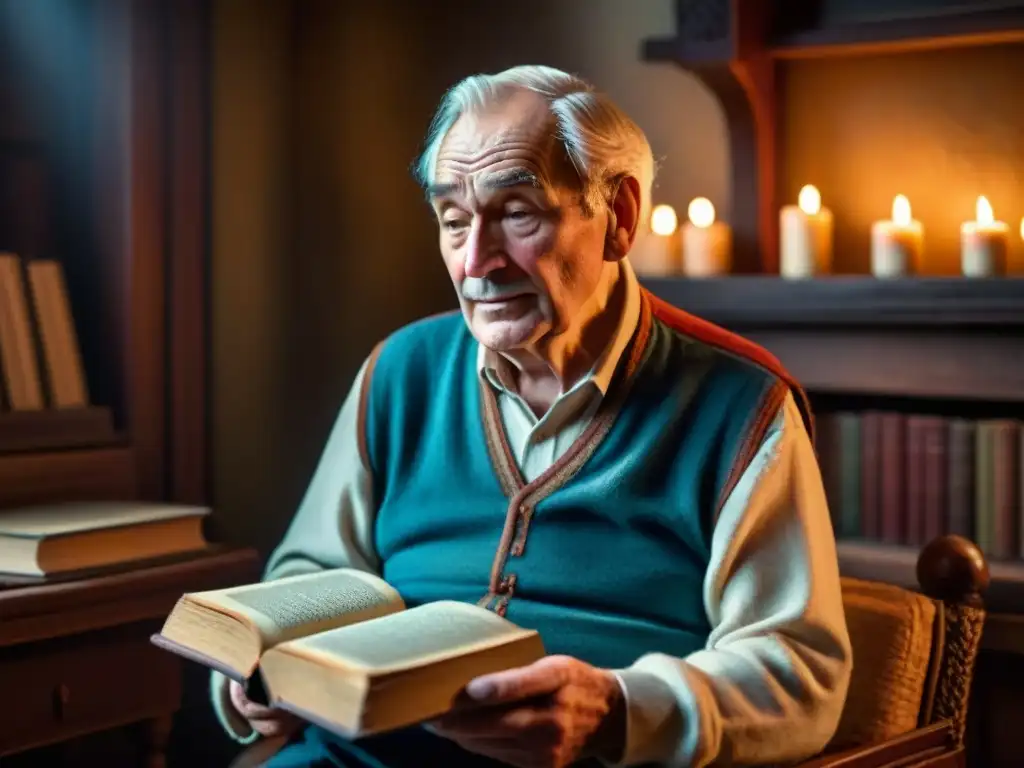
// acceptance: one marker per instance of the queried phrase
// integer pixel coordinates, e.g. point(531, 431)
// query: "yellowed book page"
point(415, 637)
point(296, 606)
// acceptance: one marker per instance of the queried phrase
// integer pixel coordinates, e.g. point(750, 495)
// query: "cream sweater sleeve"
point(333, 528)
point(770, 684)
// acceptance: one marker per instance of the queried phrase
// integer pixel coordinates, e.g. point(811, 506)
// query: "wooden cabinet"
point(75, 657)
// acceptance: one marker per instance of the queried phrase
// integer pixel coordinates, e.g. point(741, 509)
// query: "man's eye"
point(519, 215)
point(453, 225)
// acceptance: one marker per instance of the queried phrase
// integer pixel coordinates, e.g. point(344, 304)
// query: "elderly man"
point(635, 483)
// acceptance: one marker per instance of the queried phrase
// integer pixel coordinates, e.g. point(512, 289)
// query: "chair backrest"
point(914, 651)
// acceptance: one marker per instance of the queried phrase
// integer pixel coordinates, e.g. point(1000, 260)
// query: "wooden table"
point(75, 656)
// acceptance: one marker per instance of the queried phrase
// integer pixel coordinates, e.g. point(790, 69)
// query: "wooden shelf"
point(57, 429)
point(979, 23)
point(867, 302)
point(39, 478)
point(948, 339)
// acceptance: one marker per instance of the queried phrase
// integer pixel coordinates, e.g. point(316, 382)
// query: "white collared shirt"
point(538, 442)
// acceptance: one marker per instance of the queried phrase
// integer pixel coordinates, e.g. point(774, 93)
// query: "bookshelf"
point(102, 170)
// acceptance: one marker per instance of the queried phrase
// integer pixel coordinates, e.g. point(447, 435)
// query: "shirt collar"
point(497, 370)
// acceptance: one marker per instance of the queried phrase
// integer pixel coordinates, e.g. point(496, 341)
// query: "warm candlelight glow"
point(1022, 229)
point(809, 200)
point(983, 211)
point(901, 211)
point(983, 243)
point(664, 220)
point(701, 212)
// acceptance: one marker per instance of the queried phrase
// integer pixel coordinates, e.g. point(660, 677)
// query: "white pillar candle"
point(805, 236)
point(707, 244)
point(983, 243)
point(658, 252)
point(896, 245)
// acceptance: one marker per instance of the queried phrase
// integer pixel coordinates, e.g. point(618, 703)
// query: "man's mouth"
point(501, 299)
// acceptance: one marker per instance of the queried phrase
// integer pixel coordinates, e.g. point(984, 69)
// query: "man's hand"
point(546, 715)
point(266, 721)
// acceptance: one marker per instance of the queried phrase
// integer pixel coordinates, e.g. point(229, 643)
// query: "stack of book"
point(75, 539)
point(905, 478)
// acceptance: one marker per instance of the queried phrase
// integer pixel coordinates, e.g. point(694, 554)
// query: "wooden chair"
point(914, 655)
point(913, 660)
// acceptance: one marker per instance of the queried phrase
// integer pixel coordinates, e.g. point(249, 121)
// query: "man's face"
point(521, 252)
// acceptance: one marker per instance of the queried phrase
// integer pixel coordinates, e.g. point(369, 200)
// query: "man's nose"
point(484, 253)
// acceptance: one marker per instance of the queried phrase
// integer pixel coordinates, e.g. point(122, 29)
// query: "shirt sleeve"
point(771, 682)
point(333, 527)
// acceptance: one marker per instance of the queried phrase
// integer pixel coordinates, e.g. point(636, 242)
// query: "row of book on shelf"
point(905, 478)
point(40, 359)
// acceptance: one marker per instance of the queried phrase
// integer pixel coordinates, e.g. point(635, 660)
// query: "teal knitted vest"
point(606, 553)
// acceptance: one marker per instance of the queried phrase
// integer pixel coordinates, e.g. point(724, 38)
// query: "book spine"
point(870, 480)
point(850, 525)
point(961, 495)
point(1005, 460)
point(915, 481)
point(936, 481)
point(892, 477)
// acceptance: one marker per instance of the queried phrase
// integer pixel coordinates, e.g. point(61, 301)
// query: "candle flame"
point(664, 220)
point(809, 200)
point(983, 211)
point(701, 212)
point(1022, 229)
point(901, 211)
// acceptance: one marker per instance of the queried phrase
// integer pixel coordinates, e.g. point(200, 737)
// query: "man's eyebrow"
point(512, 177)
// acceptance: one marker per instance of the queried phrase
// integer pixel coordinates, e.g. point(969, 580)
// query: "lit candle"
point(805, 236)
point(983, 243)
point(707, 244)
point(659, 251)
point(896, 245)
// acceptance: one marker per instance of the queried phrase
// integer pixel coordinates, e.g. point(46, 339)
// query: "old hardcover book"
point(341, 649)
point(891, 477)
point(871, 475)
point(850, 526)
point(1005, 488)
point(45, 540)
point(961, 477)
point(936, 478)
point(914, 481)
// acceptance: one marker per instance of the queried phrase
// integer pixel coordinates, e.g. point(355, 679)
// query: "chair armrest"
point(916, 748)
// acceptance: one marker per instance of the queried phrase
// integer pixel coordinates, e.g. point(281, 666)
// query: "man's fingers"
point(486, 723)
point(538, 679)
point(273, 727)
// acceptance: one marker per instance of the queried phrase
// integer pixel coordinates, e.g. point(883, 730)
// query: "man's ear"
point(623, 219)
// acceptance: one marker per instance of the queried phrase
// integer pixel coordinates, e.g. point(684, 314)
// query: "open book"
point(339, 647)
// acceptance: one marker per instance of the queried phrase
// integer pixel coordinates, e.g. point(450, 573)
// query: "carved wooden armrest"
point(933, 746)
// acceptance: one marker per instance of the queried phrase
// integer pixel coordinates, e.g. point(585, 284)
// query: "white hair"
point(601, 141)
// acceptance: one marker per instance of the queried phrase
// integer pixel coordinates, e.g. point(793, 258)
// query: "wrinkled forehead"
point(511, 144)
